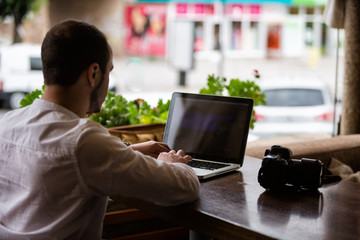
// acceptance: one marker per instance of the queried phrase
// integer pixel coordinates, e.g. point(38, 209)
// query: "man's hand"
point(173, 157)
point(151, 148)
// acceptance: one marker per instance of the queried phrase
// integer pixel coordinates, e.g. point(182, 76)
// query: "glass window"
point(35, 63)
point(310, 10)
point(199, 36)
point(217, 37)
point(282, 41)
point(236, 36)
point(254, 28)
point(293, 10)
point(293, 97)
point(309, 33)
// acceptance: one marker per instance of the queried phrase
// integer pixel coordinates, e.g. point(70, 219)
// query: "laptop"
point(211, 129)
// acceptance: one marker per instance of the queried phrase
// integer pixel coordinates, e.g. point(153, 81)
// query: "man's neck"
point(68, 97)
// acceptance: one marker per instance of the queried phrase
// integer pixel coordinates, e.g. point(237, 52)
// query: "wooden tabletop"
point(235, 206)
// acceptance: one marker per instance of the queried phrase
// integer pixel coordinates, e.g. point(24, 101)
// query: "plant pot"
point(139, 133)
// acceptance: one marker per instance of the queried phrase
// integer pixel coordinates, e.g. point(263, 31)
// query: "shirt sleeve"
point(109, 167)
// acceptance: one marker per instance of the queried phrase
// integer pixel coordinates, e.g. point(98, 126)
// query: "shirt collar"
point(53, 106)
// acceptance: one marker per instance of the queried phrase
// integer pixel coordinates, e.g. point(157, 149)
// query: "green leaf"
point(30, 97)
point(215, 86)
point(236, 88)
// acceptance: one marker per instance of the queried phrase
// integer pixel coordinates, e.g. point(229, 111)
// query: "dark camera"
point(279, 170)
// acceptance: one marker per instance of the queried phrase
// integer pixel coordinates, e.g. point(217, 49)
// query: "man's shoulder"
point(87, 124)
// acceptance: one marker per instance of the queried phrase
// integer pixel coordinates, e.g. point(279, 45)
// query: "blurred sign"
point(238, 10)
point(145, 26)
point(289, 2)
point(197, 9)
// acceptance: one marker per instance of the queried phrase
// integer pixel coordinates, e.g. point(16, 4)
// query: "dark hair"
point(69, 48)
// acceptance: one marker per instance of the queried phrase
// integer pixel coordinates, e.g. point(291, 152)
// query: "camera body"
point(279, 170)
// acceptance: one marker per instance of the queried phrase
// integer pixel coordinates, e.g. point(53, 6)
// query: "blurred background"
point(165, 46)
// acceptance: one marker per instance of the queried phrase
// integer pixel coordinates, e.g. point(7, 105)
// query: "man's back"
point(39, 162)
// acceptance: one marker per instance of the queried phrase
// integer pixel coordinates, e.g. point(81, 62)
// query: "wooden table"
point(235, 206)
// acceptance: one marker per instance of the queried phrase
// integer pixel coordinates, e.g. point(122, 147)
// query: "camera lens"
point(306, 173)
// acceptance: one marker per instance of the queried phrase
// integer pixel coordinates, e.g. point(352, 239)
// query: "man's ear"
point(93, 74)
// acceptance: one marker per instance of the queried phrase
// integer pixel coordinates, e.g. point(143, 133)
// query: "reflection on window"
point(293, 97)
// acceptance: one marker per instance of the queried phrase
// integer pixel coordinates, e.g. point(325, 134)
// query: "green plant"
point(117, 111)
point(236, 88)
point(29, 98)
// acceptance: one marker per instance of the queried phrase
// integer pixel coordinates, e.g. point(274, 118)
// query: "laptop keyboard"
point(206, 165)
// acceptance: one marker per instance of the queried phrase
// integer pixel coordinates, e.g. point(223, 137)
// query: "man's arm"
point(108, 167)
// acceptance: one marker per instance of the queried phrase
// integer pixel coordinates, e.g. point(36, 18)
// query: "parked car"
point(21, 73)
point(294, 107)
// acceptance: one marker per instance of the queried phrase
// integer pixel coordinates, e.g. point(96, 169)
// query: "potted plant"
point(132, 121)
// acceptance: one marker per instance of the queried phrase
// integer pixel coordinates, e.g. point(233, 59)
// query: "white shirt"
point(56, 171)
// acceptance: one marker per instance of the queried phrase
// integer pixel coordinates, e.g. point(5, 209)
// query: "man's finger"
point(181, 152)
point(188, 158)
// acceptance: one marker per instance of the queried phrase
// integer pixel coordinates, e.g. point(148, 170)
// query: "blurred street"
point(152, 79)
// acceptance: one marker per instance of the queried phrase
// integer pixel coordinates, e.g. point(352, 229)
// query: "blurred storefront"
point(231, 28)
point(222, 28)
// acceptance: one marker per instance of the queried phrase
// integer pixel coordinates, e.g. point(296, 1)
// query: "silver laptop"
point(212, 129)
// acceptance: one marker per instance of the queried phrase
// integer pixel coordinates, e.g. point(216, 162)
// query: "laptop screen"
point(209, 127)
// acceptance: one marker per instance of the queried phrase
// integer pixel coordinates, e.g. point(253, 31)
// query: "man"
point(58, 168)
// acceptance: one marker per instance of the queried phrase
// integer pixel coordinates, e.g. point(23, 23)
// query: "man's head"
point(69, 48)
point(77, 60)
